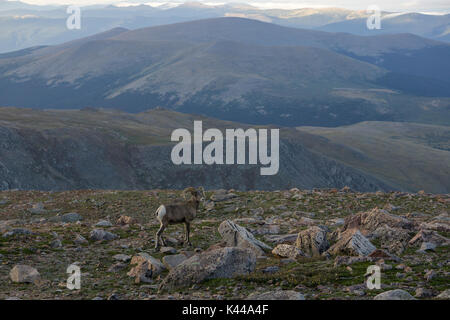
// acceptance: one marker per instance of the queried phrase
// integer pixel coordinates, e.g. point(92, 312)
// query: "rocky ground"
point(259, 245)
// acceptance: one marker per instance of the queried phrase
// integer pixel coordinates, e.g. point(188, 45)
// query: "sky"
point(386, 5)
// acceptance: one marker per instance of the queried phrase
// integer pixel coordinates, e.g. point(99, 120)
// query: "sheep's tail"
point(160, 212)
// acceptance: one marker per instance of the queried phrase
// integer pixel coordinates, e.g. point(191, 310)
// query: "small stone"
point(271, 269)
point(56, 243)
point(103, 223)
point(79, 239)
point(277, 295)
point(24, 273)
point(71, 217)
point(100, 234)
point(122, 257)
point(168, 250)
point(117, 267)
point(397, 294)
point(37, 208)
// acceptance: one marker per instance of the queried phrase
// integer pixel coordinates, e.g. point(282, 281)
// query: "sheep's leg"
point(159, 237)
point(188, 230)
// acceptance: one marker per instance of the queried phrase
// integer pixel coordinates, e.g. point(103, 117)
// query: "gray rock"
point(17, 231)
point(122, 257)
point(427, 246)
point(288, 238)
point(444, 294)
point(79, 239)
point(37, 208)
point(237, 236)
point(168, 250)
point(24, 273)
point(277, 295)
point(287, 251)
point(352, 242)
point(99, 234)
point(222, 195)
point(117, 267)
point(271, 269)
point(171, 261)
point(71, 217)
point(103, 223)
point(220, 263)
point(397, 294)
point(56, 243)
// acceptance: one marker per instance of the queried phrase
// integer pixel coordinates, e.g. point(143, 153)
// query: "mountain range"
point(239, 70)
point(24, 25)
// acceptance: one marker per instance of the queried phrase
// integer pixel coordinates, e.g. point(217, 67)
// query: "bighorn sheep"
point(183, 212)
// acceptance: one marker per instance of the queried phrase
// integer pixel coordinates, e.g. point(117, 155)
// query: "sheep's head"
point(197, 194)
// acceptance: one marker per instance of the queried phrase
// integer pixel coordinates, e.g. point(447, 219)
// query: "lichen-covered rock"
point(145, 267)
point(277, 295)
point(397, 294)
point(313, 241)
point(288, 251)
point(220, 263)
point(352, 243)
point(236, 236)
point(24, 273)
point(369, 221)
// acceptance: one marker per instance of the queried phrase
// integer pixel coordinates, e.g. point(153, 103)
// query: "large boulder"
point(236, 236)
point(397, 294)
point(24, 273)
point(313, 241)
point(171, 261)
point(277, 295)
point(395, 240)
point(220, 263)
point(287, 251)
point(369, 221)
point(352, 243)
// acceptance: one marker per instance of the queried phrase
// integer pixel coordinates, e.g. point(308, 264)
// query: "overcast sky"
point(387, 5)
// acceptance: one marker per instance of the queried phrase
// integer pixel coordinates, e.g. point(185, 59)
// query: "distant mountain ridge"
point(240, 70)
point(101, 149)
point(24, 25)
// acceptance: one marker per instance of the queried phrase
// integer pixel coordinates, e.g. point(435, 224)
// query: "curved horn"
point(203, 192)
